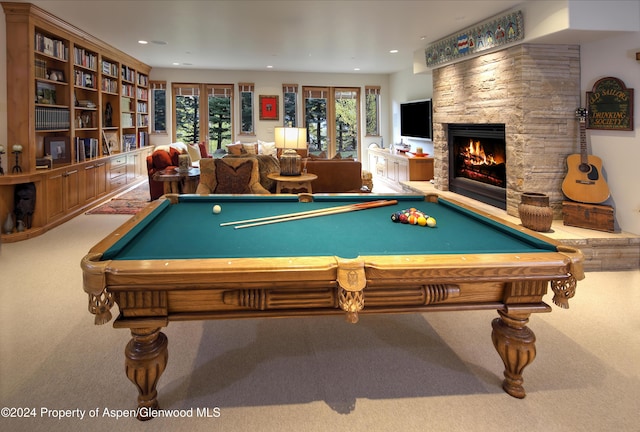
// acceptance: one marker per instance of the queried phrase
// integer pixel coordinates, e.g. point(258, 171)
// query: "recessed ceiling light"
point(393, 51)
point(175, 64)
point(269, 67)
point(143, 42)
point(356, 69)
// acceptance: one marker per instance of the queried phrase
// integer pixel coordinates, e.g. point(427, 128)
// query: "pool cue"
point(327, 212)
point(308, 212)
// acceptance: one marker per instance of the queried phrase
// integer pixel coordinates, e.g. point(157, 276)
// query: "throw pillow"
point(194, 152)
point(251, 148)
point(161, 159)
point(236, 149)
point(204, 152)
point(233, 180)
point(267, 148)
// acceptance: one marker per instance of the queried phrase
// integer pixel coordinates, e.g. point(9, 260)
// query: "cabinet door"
point(55, 196)
point(132, 166)
point(90, 189)
point(101, 179)
point(403, 171)
point(72, 189)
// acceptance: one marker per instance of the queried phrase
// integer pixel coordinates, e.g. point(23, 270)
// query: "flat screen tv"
point(415, 119)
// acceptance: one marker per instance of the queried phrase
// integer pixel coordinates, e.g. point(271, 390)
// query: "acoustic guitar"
point(584, 181)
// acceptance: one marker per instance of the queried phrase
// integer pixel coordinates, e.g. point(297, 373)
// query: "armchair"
point(160, 159)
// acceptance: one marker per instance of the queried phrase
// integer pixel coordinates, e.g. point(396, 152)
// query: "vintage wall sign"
point(610, 105)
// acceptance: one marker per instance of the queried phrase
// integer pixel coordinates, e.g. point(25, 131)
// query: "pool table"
point(175, 262)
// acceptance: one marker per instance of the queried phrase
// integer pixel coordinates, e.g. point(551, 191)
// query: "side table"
point(293, 184)
point(179, 182)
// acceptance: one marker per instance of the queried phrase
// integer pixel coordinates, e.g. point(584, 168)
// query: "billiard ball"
point(217, 209)
point(431, 222)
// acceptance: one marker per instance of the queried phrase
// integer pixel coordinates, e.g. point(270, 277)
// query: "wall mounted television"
point(415, 119)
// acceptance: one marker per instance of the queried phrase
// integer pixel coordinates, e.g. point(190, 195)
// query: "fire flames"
point(475, 155)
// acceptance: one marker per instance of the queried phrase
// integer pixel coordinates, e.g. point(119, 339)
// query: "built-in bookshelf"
point(78, 111)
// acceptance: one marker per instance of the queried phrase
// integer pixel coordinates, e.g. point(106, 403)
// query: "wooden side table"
point(179, 182)
point(293, 184)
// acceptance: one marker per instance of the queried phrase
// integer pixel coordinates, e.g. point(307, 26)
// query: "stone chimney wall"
point(534, 90)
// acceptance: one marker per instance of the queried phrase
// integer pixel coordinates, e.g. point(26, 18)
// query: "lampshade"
point(290, 139)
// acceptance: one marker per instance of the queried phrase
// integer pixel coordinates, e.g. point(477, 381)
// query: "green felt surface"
point(189, 229)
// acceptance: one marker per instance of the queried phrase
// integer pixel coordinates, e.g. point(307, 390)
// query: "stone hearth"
point(534, 90)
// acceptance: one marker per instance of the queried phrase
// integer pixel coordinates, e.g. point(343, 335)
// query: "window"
point(220, 125)
point(246, 108)
point(332, 118)
point(290, 98)
point(203, 119)
point(372, 110)
point(159, 106)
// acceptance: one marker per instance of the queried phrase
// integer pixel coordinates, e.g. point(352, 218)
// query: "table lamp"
point(289, 139)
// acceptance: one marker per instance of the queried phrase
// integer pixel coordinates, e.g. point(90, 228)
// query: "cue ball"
point(217, 209)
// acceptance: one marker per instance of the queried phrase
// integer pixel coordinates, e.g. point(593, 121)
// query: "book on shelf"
point(128, 142)
point(109, 85)
point(143, 138)
point(51, 47)
point(85, 58)
point(128, 74)
point(40, 68)
point(109, 68)
point(126, 120)
point(52, 118)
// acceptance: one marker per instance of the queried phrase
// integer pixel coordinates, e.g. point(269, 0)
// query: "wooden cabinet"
point(420, 168)
point(63, 193)
point(388, 168)
point(77, 102)
point(394, 168)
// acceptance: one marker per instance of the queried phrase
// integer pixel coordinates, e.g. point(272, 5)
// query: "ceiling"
point(350, 36)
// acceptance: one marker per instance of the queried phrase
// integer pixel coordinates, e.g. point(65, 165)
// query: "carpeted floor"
point(127, 203)
point(435, 372)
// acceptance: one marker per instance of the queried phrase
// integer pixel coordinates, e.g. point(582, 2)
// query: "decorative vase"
point(535, 212)
point(8, 225)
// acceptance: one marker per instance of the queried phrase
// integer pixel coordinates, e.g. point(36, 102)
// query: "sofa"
point(336, 175)
point(166, 157)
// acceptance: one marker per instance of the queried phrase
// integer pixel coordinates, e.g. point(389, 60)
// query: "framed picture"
point(269, 108)
point(58, 148)
point(111, 142)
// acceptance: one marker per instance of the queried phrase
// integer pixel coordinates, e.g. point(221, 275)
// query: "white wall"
point(619, 150)
point(407, 86)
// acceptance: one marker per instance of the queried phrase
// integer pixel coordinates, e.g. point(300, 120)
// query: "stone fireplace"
point(531, 89)
point(477, 167)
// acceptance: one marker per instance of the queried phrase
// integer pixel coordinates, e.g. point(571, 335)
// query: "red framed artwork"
point(269, 108)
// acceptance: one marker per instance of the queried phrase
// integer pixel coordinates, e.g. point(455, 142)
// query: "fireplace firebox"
point(477, 162)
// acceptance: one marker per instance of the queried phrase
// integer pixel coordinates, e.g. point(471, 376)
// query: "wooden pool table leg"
point(515, 343)
point(146, 358)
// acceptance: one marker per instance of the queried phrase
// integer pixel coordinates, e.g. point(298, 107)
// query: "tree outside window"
point(206, 119)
